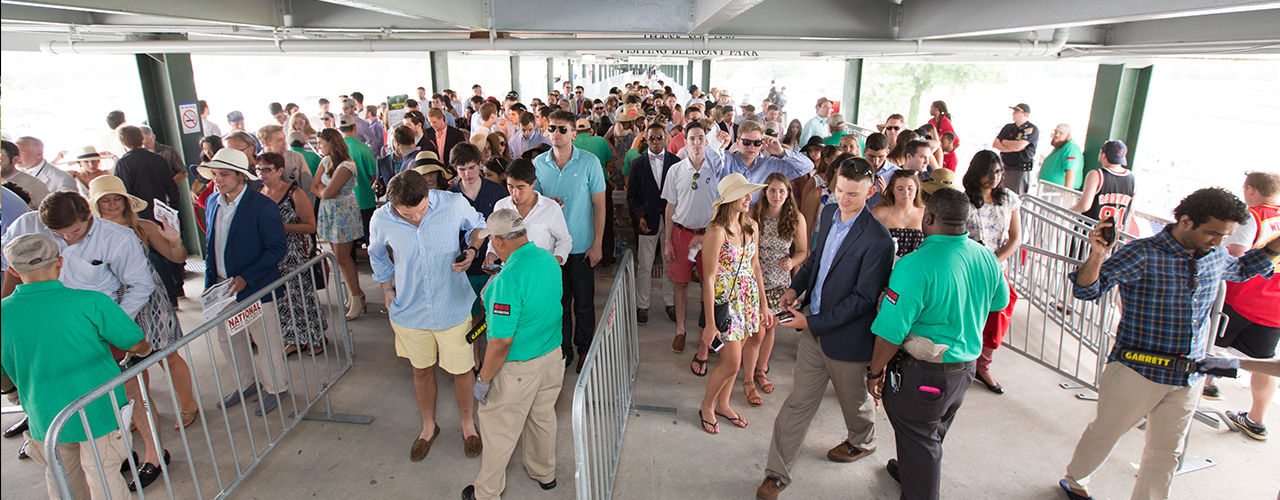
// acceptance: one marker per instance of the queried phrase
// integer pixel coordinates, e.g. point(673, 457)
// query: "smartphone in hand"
point(717, 344)
point(1108, 233)
point(786, 317)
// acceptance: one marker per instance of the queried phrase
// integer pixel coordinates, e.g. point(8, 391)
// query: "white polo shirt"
point(692, 206)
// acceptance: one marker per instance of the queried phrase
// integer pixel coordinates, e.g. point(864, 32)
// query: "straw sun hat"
point(109, 184)
point(732, 187)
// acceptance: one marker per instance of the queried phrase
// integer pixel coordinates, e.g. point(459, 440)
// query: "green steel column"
point(1119, 100)
point(852, 90)
point(167, 82)
point(515, 76)
point(439, 71)
point(706, 75)
point(688, 76)
point(551, 75)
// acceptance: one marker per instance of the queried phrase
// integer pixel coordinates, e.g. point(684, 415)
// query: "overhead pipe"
point(663, 46)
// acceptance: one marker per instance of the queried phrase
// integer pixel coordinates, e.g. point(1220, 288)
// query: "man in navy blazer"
point(644, 198)
point(842, 280)
point(245, 243)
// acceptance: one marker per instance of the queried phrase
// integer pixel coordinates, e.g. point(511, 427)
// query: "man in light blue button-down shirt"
point(756, 167)
point(412, 248)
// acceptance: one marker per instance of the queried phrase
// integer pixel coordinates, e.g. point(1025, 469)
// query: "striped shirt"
point(430, 295)
point(1161, 313)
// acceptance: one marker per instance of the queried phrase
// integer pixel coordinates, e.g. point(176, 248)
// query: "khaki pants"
point(1124, 397)
point(272, 372)
point(522, 407)
point(84, 471)
point(649, 246)
point(813, 370)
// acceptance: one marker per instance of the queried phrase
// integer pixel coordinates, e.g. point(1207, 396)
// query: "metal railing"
point(220, 453)
point(1063, 196)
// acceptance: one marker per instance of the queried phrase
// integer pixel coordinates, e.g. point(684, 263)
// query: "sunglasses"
point(655, 138)
point(563, 129)
point(860, 168)
point(267, 169)
point(500, 143)
point(695, 180)
point(579, 92)
point(893, 127)
point(599, 108)
point(1193, 269)
point(752, 142)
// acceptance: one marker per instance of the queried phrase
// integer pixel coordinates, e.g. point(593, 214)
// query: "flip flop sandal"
point(739, 422)
point(709, 427)
point(701, 363)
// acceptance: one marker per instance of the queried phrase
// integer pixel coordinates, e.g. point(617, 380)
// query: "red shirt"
point(1256, 299)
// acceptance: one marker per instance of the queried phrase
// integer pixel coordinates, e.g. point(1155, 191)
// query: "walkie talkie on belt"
point(1171, 362)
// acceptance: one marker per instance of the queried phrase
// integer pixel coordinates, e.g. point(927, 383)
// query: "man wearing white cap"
point(252, 220)
point(1064, 163)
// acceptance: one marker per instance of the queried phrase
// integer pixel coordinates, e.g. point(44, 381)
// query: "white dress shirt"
point(222, 227)
point(544, 225)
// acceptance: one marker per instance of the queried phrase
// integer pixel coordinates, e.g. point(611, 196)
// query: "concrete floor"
point(1013, 446)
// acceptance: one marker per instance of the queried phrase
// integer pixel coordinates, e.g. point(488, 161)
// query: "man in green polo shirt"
point(523, 370)
point(942, 301)
point(366, 169)
point(56, 349)
point(1065, 162)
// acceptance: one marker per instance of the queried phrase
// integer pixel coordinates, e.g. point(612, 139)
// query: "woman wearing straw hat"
point(339, 219)
point(109, 200)
point(89, 160)
point(428, 164)
point(729, 255)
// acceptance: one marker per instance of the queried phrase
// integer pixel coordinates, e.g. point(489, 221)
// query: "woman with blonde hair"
point(299, 122)
point(733, 267)
point(338, 221)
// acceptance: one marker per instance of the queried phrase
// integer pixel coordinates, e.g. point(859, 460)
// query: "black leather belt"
point(694, 231)
point(936, 367)
point(1024, 167)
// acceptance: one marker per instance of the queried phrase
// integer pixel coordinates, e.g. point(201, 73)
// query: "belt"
point(1025, 167)
point(694, 231)
point(936, 367)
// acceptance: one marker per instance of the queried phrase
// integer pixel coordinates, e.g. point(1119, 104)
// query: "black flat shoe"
point(1062, 483)
point(892, 467)
point(996, 388)
point(146, 475)
point(642, 316)
point(16, 429)
point(547, 486)
point(469, 493)
point(671, 313)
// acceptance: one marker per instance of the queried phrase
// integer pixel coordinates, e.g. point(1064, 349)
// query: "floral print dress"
point(339, 218)
point(989, 225)
point(741, 293)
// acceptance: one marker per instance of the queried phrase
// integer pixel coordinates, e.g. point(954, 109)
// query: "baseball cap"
point(31, 251)
point(346, 121)
point(505, 221)
point(235, 116)
point(1115, 152)
point(1064, 128)
point(583, 124)
point(297, 136)
point(1023, 107)
point(835, 120)
point(349, 102)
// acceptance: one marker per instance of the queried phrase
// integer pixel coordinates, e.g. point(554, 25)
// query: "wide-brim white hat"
point(733, 187)
point(227, 159)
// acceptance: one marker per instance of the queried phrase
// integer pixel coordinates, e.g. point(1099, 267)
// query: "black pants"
point(366, 215)
point(920, 421)
point(607, 256)
point(579, 303)
point(1254, 340)
point(170, 274)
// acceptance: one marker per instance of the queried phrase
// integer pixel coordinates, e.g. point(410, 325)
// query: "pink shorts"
point(681, 269)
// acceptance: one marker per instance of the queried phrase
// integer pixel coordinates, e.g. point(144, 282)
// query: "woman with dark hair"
point(902, 211)
point(994, 222)
point(496, 145)
point(791, 139)
point(202, 188)
point(496, 170)
point(898, 155)
point(339, 218)
point(302, 325)
point(941, 120)
point(783, 248)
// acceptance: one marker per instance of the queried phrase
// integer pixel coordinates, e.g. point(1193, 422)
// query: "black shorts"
point(1254, 340)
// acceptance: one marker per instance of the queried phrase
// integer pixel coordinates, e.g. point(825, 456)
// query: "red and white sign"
point(189, 116)
point(244, 318)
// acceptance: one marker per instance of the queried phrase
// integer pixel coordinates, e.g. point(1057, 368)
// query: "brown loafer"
point(845, 453)
point(472, 446)
point(422, 446)
point(770, 488)
point(677, 345)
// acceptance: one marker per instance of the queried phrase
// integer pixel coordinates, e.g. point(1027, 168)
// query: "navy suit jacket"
point(859, 273)
point(644, 195)
point(452, 137)
point(255, 243)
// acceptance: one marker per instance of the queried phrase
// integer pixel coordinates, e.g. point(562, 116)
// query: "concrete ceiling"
point(1134, 28)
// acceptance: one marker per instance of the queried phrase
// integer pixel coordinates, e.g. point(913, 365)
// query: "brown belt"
point(694, 231)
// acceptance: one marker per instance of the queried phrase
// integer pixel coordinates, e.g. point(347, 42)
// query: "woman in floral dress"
point(339, 218)
point(996, 224)
point(729, 255)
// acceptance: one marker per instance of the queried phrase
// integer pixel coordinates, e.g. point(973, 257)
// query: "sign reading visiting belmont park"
point(664, 52)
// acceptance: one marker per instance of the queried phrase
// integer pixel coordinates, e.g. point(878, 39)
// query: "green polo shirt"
point(596, 146)
point(834, 138)
point(524, 303)
point(945, 297)
point(366, 168)
point(55, 348)
point(313, 161)
point(632, 154)
point(1060, 160)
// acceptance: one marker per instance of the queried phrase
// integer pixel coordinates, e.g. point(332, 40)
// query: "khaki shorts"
point(425, 347)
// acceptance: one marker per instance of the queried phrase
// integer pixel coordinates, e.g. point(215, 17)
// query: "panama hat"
point(227, 159)
point(427, 161)
point(110, 184)
point(629, 113)
point(941, 178)
point(87, 153)
point(734, 186)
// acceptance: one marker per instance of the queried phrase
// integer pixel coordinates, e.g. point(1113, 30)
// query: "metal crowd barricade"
point(606, 388)
point(222, 447)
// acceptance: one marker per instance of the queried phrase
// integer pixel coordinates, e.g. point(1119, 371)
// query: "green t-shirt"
point(1060, 160)
point(313, 161)
point(55, 349)
point(596, 146)
point(366, 168)
point(632, 154)
point(945, 297)
point(525, 298)
point(834, 139)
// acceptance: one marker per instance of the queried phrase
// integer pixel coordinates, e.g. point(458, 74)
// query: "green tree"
point(893, 87)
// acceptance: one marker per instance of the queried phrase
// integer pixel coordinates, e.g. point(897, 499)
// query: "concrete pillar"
point(852, 90)
point(1119, 100)
point(688, 75)
point(515, 76)
point(551, 75)
point(706, 75)
point(167, 84)
point(439, 71)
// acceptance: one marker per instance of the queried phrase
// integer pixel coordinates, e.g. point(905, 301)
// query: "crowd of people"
point(478, 216)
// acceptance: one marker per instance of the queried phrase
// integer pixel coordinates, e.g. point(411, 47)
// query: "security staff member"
point(1016, 143)
point(942, 303)
point(523, 370)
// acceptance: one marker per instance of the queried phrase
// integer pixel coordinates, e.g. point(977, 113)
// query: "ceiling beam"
point(460, 14)
point(710, 14)
point(237, 12)
point(950, 18)
point(1239, 26)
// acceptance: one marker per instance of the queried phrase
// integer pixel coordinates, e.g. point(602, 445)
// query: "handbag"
point(721, 311)
point(319, 274)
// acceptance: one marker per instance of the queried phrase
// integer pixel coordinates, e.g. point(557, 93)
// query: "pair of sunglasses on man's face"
point(752, 142)
point(563, 129)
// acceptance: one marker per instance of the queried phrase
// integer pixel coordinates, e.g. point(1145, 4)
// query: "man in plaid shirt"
point(1168, 284)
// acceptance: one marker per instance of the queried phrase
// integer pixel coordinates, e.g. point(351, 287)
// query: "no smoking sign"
point(189, 118)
